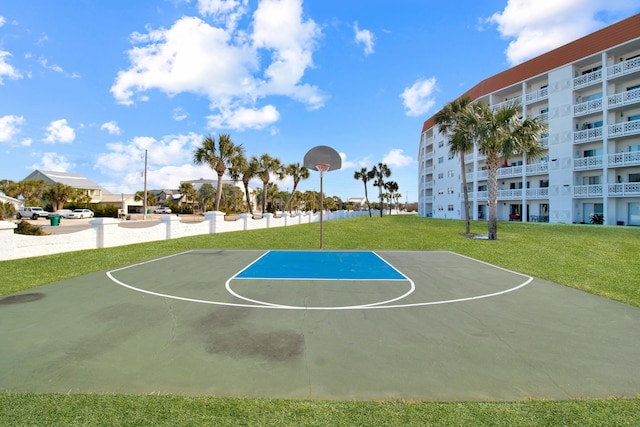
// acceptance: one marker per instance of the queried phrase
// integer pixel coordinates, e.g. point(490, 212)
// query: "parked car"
point(163, 210)
point(84, 213)
point(31, 213)
point(65, 213)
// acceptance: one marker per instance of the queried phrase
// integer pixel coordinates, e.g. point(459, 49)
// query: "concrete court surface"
point(457, 330)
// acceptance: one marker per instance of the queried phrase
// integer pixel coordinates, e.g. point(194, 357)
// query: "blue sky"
point(86, 86)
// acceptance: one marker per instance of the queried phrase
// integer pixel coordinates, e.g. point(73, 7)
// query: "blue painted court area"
point(321, 265)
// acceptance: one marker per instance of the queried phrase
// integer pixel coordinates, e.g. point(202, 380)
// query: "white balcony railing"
point(587, 79)
point(538, 168)
point(588, 135)
point(623, 129)
point(624, 189)
point(587, 107)
point(510, 172)
point(631, 158)
point(623, 98)
point(537, 193)
point(587, 190)
point(537, 95)
point(624, 67)
point(584, 163)
point(510, 101)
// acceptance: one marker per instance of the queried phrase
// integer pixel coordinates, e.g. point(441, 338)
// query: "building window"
point(450, 173)
point(440, 144)
point(440, 207)
point(634, 177)
point(451, 156)
point(450, 208)
point(482, 188)
point(450, 190)
point(544, 183)
point(441, 175)
point(440, 159)
point(440, 191)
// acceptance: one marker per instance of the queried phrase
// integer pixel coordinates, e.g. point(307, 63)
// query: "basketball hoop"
point(323, 159)
point(323, 167)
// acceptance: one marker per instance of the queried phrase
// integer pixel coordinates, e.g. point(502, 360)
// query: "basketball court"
point(383, 325)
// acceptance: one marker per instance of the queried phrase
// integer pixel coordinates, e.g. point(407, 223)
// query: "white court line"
point(378, 305)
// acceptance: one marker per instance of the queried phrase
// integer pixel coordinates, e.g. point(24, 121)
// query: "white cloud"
point(395, 158)
point(59, 131)
point(365, 37)
point(167, 159)
point(244, 118)
point(179, 114)
point(6, 69)
point(418, 99)
point(111, 127)
point(2, 21)
point(227, 12)
point(45, 64)
point(537, 27)
point(233, 68)
point(10, 126)
point(54, 162)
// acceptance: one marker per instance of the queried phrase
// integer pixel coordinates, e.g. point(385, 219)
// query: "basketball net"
point(323, 167)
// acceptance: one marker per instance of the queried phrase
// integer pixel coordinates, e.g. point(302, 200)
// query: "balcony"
point(587, 79)
point(587, 191)
point(622, 129)
point(586, 163)
point(624, 159)
point(623, 98)
point(537, 193)
point(538, 168)
point(587, 107)
point(537, 95)
point(588, 135)
point(624, 189)
point(510, 101)
point(624, 67)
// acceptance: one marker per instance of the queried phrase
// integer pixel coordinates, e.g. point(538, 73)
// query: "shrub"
point(597, 218)
point(29, 229)
point(7, 210)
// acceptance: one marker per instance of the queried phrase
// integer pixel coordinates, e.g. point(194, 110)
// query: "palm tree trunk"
point(492, 171)
point(366, 199)
point(465, 191)
point(218, 192)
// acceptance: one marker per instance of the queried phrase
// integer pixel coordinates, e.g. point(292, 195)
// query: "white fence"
point(106, 232)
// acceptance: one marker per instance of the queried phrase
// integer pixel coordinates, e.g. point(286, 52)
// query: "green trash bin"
point(54, 220)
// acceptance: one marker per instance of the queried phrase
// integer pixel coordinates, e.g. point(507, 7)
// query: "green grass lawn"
point(602, 260)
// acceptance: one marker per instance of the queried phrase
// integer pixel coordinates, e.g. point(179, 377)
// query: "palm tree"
point(380, 172)
point(266, 165)
point(297, 172)
point(500, 134)
point(460, 143)
point(245, 170)
point(364, 175)
point(188, 191)
point(219, 159)
point(391, 187)
point(151, 198)
point(57, 194)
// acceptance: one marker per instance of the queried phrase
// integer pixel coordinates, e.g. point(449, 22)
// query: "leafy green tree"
point(205, 194)
point(500, 134)
point(219, 157)
point(298, 173)
point(380, 172)
point(365, 176)
point(10, 188)
point(460, 143)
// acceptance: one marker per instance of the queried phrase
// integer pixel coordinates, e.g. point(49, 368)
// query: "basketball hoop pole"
point(321, 206)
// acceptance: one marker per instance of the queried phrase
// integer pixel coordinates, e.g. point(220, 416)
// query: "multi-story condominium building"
point(588, 93)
